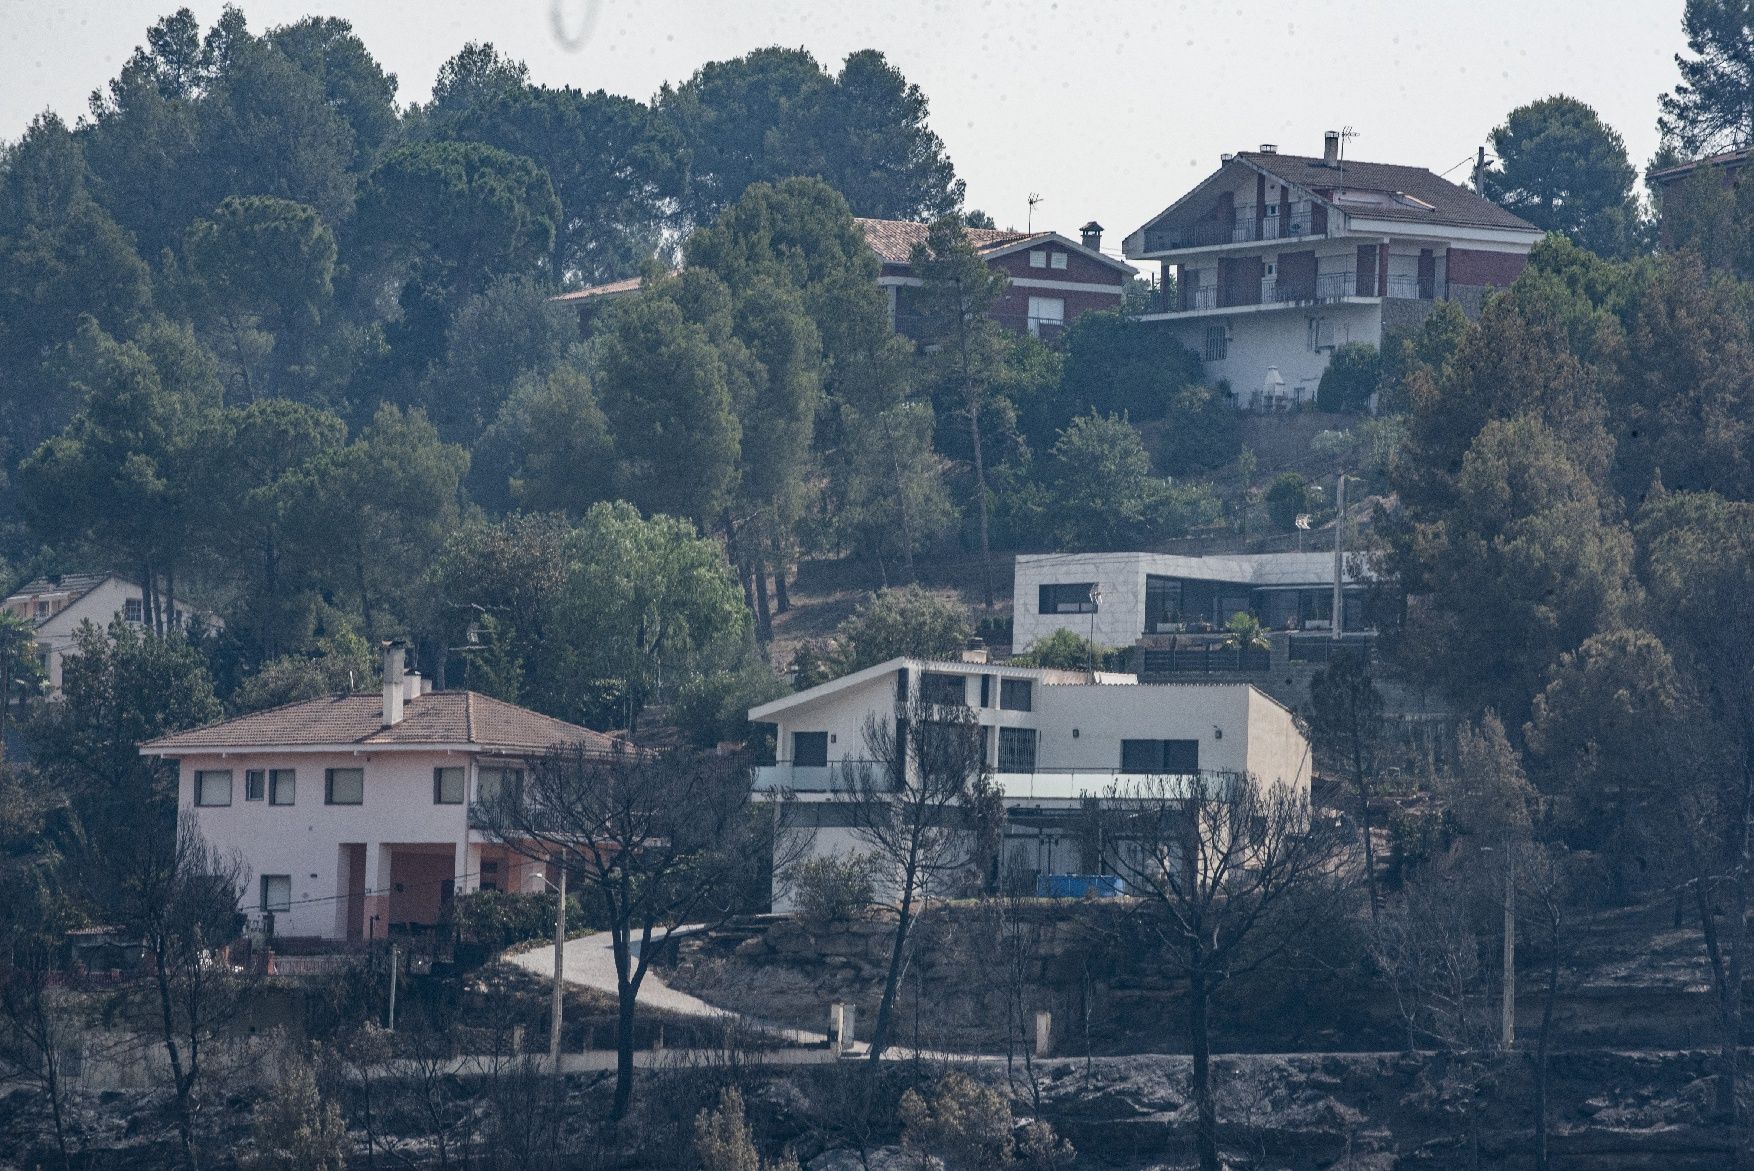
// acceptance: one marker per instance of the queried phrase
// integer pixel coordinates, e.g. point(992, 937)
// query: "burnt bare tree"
point(917, 805)
point(660, 840)
point(35, 1023)
point(180, 896)
point(1346, 726)
point(1219, 863)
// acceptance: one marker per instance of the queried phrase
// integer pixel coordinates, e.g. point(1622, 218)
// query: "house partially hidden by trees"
point(354, 815)
point(1046, 743)
point(58, 606)
point(1275, 261)
point(1051, 278)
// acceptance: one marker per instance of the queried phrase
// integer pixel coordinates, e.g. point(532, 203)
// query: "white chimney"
point(410, 685)
point(1331, 148)
point(394, 656)
point(425, 686)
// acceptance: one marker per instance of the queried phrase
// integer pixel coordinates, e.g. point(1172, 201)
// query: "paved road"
point(589, 962)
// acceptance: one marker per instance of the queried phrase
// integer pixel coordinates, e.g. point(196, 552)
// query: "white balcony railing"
point(1038, 785)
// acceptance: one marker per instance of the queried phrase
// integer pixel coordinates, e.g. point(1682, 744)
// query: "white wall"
point(1264, 338)
point(1120, 616)
point(304, 840)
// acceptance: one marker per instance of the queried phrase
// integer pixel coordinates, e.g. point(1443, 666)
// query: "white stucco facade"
point(1079, 729)
point(59, 608)
point(353, 871)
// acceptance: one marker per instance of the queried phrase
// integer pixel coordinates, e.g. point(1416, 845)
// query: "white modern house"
point(58, 606)
point(1116, 599)
point(1280, 259)
point(1051, 740)
point(352, 812)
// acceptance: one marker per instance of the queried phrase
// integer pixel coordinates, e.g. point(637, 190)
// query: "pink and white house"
point(1280, 259)
point(352, 813)
point(58, 606)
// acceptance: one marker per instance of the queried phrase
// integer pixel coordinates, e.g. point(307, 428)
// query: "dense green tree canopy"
point(1562, 169)
point(1712, 109)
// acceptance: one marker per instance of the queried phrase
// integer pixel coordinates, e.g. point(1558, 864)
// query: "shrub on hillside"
point(1288, 497)
point(1203, 430)
point(834, 889)
point(1354, 373)
point(496, 920)
point(908, 621)
point(1070, 651)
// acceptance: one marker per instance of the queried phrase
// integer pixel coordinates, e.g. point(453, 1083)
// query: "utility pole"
point(1480, 171)
point(395, 963)
point(1508, 1031)
point(1339, 616)
point(556, 1005)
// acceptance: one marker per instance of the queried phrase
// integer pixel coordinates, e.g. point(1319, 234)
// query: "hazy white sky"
point(1107, 108)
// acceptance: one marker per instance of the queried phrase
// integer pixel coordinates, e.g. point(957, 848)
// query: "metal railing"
point(1412, 288)
point(1325, 648)
point(1200, 297)
point(1036, 784)
point(1208, 659)
point(1334, 286)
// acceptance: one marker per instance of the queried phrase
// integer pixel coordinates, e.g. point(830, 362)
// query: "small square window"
point(213, 787)
point(42, 609)
point(447, 786)
point(344, 786)
point(255, 784)
point(131, 609)
point(809, 749)
point(1059, 259)
point(1038, 259)
point(494, 783)
point(276, 892)
point(1016, 695)
point(282, 784)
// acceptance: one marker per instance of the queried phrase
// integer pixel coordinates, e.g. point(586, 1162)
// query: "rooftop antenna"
point(1347, 134)
point(1029, 223)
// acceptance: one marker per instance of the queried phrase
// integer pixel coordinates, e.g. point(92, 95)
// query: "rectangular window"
point(255, 784)
point(1160, 756)
point(131, 609)
point(1163, 603)
point(1217, 343)
point(1058, 259)
point(494, 783)
point(490, 876)
point(1016, 750)
point(1066, 598)
point(1017, 695)
point(1048, 311)
point(344, 786)
point(282, 786)
point(277, 892)
point(213, 787)
point(1038, 259)
point(810, 749)
point(943, 689)
point(42, 609)
point(447, 786)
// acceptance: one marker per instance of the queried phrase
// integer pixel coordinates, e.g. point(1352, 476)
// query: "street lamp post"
point(1095, 604)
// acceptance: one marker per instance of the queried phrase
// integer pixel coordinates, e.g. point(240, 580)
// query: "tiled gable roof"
point(631, 284)
point(1450, 204)
point(438, 717)
point(893, 240)
point(74, 585)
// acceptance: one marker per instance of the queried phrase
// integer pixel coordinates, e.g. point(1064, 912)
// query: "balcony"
point(1409, 288)
point(1039, 785)
point(1243, 224)
point(1328, 287)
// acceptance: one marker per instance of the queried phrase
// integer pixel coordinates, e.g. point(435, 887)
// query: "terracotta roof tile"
point(893, 240)
point(631, 284)
point(439, 717)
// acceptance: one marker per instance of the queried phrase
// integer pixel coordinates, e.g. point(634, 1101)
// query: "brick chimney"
point(1091, 234)
point(395, 656)
point(1331, 148)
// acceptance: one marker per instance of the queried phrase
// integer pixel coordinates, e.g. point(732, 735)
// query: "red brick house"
point(1280, 259)
point(1052, 278)
point(1672, 186)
